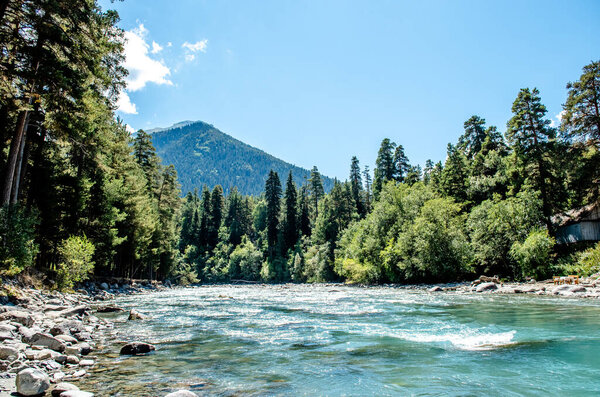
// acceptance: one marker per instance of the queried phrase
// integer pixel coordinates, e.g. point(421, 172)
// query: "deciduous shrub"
point(76, 264)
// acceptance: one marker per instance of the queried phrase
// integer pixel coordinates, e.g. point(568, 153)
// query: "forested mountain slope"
point(203, 155)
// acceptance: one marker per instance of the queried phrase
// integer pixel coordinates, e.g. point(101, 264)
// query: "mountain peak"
point(204, 155)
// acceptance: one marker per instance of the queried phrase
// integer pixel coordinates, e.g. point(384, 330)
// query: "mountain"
point(203, 155)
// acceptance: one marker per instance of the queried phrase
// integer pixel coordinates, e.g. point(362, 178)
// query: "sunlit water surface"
point(339, 340)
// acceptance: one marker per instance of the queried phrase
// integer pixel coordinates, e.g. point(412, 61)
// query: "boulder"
point(134, 348)
point(86, 363)
point(32, 382)
point(67, 327)
point(489, 286)
point(104, 286)
point(72, 360)
point(9, 353)
point(435, 289)
point(37, 355)
point(47, 340)
point(135, 315)
point(182, 393)
point(18, 316)
point(66, 338)
point(63, 387)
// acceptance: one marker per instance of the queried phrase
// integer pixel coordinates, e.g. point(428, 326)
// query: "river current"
point(339, 340)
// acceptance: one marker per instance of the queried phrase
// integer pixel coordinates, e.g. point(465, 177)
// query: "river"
point(340, 340)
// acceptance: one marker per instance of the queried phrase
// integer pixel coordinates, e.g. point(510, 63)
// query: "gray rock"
point(66, 338)
point(86, 363)
point(72, 360)
point(135, 315)
point(134, 348)
point(9, 353)
point(435, 289)
point(19, 316)
point(69, 327)
point(38, 355)
point(104, 286)
point(109, 309)
point(489, 286)
point(31, 382)
point(182, 393)
point(47, 340)
point(63, 387)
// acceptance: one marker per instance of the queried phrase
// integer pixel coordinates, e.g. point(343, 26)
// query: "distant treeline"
point(487, 209)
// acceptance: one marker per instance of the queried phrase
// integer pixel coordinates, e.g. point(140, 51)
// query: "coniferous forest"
point(82, 196)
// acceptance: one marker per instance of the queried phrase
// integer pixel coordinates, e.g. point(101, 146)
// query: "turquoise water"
point(339, 340)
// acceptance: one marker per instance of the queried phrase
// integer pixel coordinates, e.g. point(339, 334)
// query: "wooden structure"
point(580, 224)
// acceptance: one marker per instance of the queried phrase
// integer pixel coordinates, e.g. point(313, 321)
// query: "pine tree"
point(305, 229)
point(401, 164)
point(475, 133)
point(315, 186)
point(290, 228)
point(581, 118)
point(384, 166)
point(368, 188)
point(217, 206)
point(529, 134)
point(273, 198)
point(357, 187)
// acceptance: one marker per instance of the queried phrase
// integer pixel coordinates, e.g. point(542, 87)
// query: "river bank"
point(48, 338)
point(56, 335)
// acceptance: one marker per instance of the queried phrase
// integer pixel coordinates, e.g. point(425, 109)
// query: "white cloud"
point(129, 128)
point(125, 105)
point(169, 44)
point(557, 120)
point(156, 48)
point(142, 69)
point(190, 57)
point(197, 46)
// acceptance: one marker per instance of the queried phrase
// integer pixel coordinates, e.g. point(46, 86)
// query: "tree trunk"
point(13, 155)
point(19, 166)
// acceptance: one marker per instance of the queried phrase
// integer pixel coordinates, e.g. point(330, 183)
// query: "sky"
point(316, 82)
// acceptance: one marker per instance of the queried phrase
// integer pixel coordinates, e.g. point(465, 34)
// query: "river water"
point(340, 340)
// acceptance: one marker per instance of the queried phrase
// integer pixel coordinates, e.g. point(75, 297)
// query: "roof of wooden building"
point(590, 212)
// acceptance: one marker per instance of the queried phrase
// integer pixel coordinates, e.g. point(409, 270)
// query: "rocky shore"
point(585, 288)
point(48, 338)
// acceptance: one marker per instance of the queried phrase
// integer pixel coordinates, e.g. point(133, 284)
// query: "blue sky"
point(316, 82)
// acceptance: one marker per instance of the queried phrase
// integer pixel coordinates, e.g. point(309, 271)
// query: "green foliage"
point(17, 246)
point(581, 118)
point(411, 235)
point(245, 262)
point(495, 225)
point(76, 263)
point(203, 155)
point(533, 255)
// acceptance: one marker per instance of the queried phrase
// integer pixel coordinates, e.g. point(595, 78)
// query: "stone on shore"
point(182, 393)
point(18, 316)
point(135, 315)
point(63, 387)
point(134, 348)
point(437, 288)
point(489, 286)
point(9, 353)
point(47, 340)
point(32, 382)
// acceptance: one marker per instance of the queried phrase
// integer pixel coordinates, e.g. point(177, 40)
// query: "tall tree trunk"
point(17, 177)
point(11, 165)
